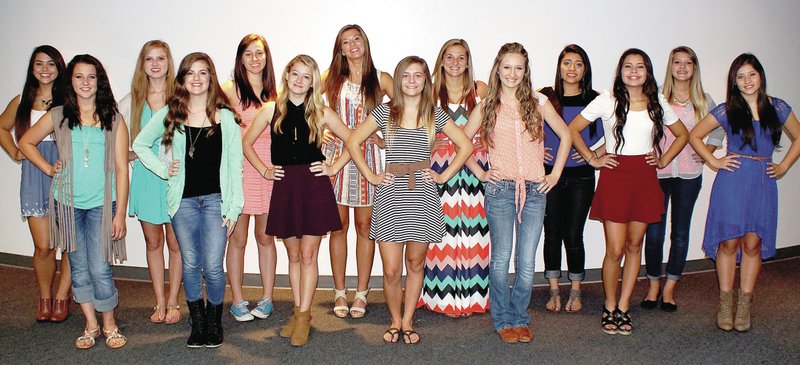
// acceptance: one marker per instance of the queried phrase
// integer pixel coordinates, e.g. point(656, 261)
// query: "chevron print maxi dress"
point(457, 269)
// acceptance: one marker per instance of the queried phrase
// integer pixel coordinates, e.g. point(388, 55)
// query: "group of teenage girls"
point(465, 163)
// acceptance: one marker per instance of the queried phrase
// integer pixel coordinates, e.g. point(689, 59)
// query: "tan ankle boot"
point(742, 321)
point(288, 328)
point(301, 328)
point(725, 310)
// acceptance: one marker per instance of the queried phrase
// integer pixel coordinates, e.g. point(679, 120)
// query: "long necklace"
point(193, 141)
point(85, 136)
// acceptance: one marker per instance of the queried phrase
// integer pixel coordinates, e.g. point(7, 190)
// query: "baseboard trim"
point(326, 281)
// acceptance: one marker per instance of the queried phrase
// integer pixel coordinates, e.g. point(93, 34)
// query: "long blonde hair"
point(314, 105)
point(397, 106)
point(525, 97)
point(696, 93)
point(140, 85)
point(469, 93)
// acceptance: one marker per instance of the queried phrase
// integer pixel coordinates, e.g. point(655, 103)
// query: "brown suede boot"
point(725, 310)
point(288, 328)
point(742, 321)
point(301, 328)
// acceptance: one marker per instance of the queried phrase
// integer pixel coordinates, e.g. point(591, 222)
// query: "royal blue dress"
point(745, 200)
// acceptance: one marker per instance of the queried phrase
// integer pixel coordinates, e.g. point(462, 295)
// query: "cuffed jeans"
point(92, 281)
point(202, 239)
point(568, 206)
point(683, 194)
point(510, 309)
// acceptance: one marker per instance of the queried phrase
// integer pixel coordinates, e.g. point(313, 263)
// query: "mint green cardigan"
point(230, 168)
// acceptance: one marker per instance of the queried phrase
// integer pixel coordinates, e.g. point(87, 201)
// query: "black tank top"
point(291, 147)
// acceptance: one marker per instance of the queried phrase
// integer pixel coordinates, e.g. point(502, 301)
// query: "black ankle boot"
point(197, 318)
point(214, 325)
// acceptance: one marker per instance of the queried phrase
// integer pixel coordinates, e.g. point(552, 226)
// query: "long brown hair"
point(26, 98)
point(243, 88)
point(469, 93)
point(740, 117)
point(140, 85)
point(623, 102)
point(313, 103)
point(528, 104)
point(178, 102)
point(339, 70)
point(425, 112)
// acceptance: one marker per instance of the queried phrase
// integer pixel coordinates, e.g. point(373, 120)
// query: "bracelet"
point(264, 174)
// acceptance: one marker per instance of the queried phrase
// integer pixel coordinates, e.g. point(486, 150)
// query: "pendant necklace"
point(193, 141)
point(85, 135)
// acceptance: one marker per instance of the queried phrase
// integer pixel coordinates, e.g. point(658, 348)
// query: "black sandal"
point(608, 322)
point(623, 319)
point(394, 335)
point(407, 337)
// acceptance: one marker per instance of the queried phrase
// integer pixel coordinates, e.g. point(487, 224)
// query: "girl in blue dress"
point(743, 209)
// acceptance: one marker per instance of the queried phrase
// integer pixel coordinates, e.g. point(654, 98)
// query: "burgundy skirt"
point(628, 193)
point(302, 204)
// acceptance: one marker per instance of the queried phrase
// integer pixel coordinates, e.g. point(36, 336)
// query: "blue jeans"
point(202, 239)
point(92, 281)
point(683, 194)
point(510, 309)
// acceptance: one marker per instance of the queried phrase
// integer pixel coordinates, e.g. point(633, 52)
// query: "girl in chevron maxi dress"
point(456, 281)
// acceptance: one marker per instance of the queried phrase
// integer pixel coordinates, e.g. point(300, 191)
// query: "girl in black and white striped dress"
point(407, 213)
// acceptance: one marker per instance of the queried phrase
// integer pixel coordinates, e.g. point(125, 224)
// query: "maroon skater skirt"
point(629, 192)
point(302, 204)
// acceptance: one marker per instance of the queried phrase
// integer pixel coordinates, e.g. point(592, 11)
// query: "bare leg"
point(293, 251)
point(175, 265)
point(267, 256)
point(415, 263)
point(338, 253)
point(633, 262)
point(668, 295)
point(44, 258)
point(726, 263)
point(392, 259)
point(309, 270)
point(751, 262)
point(154, 240)
point(615, 243)
point(365, 250)
point(234, 258)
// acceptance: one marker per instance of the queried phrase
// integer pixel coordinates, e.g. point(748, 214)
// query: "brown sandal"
point(173, 314)
point(158, 315)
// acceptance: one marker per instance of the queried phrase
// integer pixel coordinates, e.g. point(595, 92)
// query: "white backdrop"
point(114, 31)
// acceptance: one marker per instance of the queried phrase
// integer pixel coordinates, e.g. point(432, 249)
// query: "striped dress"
point(257, 190)
point(401, 214)
point(349, 187)
point(457, 269)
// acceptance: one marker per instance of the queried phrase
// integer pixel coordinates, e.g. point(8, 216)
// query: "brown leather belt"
point(403, 169)
point(754, 158)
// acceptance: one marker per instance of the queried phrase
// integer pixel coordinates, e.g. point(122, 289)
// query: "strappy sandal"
point(624, 323)
point(173, 314)
point(574, 301)
point(87, 339)
point(340, 310)
point(115, 339)
point(394, 335)
point(608, 322)
point(157, 316)
point(358, 312)
point(407, 337)
point(554, 303)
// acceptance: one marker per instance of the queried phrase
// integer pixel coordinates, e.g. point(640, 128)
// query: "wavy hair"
point(740, 117)
point(22, 120)
point(313, 102)
point(623, 102)
point(243, 88)
point(585, 84)
point(104, 102)
point(696, 93)
point(397, 106)
point(140, 85)
point(339, 70)
point(469, 93)
point(178, 102)
point(528, 104)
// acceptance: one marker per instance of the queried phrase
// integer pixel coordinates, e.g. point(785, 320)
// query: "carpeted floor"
point(688, 336)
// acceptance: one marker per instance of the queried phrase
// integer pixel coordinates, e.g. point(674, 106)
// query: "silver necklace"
point(85, 136)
